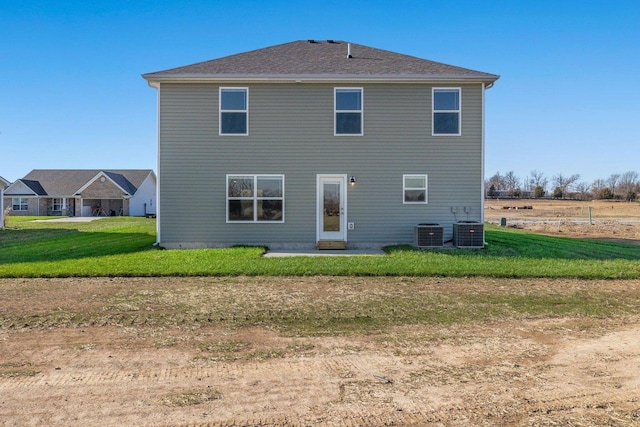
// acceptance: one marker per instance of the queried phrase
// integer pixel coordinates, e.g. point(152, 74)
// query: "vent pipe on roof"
point(349, 50)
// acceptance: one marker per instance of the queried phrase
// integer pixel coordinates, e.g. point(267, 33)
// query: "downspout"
point(482, 169)
point(158, 216)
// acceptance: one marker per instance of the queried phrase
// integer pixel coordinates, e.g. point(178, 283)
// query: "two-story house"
point(315, 142)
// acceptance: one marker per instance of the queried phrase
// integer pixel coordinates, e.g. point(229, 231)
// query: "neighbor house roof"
point(66, 182)
point(35, 186)
point(319, 60)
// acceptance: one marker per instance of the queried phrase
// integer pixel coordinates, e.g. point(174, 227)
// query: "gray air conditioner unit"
point(468, 234)
point(429, 236)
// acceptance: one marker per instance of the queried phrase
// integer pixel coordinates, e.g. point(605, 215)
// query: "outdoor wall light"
point(352, 180)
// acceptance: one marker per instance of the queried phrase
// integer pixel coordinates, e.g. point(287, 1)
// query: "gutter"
point(154, 80)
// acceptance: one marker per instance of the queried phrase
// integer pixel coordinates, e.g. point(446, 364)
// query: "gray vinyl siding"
point(291, 132)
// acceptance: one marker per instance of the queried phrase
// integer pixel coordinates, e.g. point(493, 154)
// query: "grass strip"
point(123, 247)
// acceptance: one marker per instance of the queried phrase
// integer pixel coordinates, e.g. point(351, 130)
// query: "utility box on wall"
point(429, 236)
point(468, 234)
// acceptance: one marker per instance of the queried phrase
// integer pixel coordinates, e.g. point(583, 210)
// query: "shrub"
point(539, 192)
point(492, 191)
point(606, 194)
point(557, 193)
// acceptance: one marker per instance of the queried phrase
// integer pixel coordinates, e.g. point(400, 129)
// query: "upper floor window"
point(415, 189)
point(255, 198)
point(348, 111)
point(234, 111)
point(446, 111)
point(19, 204)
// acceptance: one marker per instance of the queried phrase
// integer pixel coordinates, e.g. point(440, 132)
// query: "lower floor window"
point(415, 189)
point(56, 204)
point(19, 204)
point(255, 198)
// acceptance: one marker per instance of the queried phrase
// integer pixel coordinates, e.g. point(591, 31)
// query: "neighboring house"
point(83, 192)
point(310, 142)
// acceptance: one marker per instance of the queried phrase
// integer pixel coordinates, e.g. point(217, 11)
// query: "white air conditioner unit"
point(429, 236)
point(468, 234)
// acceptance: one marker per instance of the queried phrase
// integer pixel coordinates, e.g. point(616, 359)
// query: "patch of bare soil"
point(603, 220)
point(552, 371)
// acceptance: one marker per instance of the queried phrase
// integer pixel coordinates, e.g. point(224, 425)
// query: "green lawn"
point(123, 246)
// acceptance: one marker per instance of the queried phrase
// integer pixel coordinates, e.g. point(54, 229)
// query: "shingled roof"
point(66, 182)
point(319, 60)
point(4, 182)
point(34, 186)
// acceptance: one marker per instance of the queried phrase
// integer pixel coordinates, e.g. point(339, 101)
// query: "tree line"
point(624, 186)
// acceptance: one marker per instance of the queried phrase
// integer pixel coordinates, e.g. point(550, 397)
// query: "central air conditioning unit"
point(468, 234)
point(429, 236)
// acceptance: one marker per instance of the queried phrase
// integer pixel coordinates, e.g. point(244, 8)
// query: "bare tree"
point(511, 181)
point(613, 181)
point(582, 189)
point(628, 181)
point(539, 183)
point(497, 181)
point(563, 184)
point(538, 179)
point(597, 187)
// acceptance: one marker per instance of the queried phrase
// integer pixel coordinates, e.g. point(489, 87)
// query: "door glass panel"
point(331, 192)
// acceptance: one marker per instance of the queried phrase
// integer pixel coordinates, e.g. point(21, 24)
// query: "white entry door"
point(332, 207)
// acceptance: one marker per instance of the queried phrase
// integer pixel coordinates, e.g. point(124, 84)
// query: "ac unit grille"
point(468, 235)
point(429, 236)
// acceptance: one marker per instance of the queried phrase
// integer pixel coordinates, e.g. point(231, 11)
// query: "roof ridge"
point(320, 59)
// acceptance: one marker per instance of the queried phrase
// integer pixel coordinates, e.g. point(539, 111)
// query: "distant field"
point(601, 209)
point(612, 221)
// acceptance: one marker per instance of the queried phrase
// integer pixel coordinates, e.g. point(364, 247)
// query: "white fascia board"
point(315, 78)
point(19, 183)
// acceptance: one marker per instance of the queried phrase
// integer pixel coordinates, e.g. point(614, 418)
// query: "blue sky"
point(568, 100)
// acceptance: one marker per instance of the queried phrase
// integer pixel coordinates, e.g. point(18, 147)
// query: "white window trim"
point(255, 198)
point(20, 204)
point(53, 204)
point(433, 111)
point(220, 110)
point(336, 111)
point(425, 188)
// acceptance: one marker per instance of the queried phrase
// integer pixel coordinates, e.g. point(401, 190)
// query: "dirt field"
point(617, 221)
point(568, 371)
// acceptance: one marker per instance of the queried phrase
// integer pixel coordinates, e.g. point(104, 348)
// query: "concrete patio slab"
point(71, 219)
point(276, 253)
